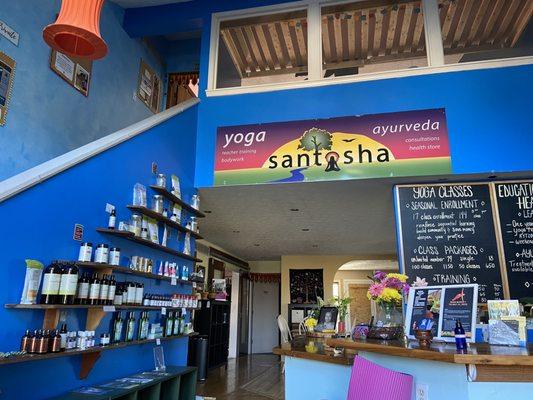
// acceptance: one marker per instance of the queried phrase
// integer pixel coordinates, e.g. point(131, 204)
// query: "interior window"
point(475, 30)
point(335, 289)
point(260, 50)
point(371, 36)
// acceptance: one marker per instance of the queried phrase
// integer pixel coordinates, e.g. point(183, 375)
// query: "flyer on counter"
point(437, 308)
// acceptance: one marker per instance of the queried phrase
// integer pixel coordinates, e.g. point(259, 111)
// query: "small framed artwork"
point(327, 319)
point(7, 73)
point(75, 71)
point(149, 87)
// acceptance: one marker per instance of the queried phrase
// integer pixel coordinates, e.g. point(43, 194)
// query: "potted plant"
point(342, 305)
point(387, 290)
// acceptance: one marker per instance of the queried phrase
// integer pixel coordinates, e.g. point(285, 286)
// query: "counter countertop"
point(315, 349)
point(478, 353)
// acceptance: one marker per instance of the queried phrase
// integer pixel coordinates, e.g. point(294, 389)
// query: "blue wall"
point(488, 113)
point(39, 224)
point(47, 117)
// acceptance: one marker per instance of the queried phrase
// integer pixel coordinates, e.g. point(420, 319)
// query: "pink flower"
point(375, 289)
point(406, 288)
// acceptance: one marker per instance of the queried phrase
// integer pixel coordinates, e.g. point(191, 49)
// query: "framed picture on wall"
point(7, 73)
point(306, 285)
point(149, 87)
point(75, 71)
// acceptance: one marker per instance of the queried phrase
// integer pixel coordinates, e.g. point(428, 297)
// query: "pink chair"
point(370, 381)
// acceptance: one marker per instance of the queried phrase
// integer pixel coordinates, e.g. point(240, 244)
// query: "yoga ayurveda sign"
point(369, 146)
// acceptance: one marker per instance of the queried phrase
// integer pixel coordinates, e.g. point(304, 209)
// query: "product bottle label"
point(51, 284)
point(83, 290)
point(94, 291)
point(104, 291)
point(131, 328)
point(139, 295)
point(68, 285)
point(131, 295)
point(111, 292)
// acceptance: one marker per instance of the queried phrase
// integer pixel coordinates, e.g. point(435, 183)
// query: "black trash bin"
point(198, 355)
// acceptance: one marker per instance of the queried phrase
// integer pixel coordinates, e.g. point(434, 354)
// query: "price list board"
point(446, 235)
point(515, 212)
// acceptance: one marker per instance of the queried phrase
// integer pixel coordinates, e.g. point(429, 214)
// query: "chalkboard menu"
point(515, 209)
point(447, 236)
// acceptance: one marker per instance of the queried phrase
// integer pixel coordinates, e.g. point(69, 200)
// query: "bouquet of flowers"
point(388, 288)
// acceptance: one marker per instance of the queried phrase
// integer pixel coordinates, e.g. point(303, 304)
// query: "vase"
point(388, 322)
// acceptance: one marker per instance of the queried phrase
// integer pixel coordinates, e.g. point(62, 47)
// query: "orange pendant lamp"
point(76, 31)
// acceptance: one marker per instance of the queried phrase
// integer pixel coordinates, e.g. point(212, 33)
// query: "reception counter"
point(312, 371)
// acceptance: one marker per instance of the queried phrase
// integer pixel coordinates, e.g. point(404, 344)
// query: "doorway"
point(181, 87)
point(265, 310)
point(245, 307)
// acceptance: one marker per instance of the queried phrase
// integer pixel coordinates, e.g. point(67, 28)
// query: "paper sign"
point(173, 281)
point(184, 311)
point(65, 66)
point(109, 309)
point(9, 33)
point(158, 342)
point(78, 232)
point(154, 167)
point(109, 208)
point(163, 311)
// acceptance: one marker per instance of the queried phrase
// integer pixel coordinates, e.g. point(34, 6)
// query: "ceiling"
point(145, 3)
point(359, 34)
point(353, 217)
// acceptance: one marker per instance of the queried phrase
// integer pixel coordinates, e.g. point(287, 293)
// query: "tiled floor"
point(260, 374)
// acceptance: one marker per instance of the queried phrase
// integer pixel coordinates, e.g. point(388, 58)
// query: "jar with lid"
point(105, 339)
point(195, 202)
point(157, 203)
point(114, 256)
point(194, 224)
point(101, 255)
point(161, 180)
point(86, 252)
point(136, 224)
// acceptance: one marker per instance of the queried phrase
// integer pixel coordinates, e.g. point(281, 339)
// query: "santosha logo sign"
point(400, 144)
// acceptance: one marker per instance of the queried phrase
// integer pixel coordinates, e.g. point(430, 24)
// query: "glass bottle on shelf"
point(82, 295)
point(51, 282)
point(94, 290)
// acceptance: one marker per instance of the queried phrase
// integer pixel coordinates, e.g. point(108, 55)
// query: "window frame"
point(433, 38)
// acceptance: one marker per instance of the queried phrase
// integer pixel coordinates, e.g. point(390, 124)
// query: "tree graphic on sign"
point(315, 139)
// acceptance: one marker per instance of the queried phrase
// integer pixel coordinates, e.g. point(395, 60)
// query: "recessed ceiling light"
point(208, 211)
point(256, 244)
point(305, 230)
point(236, 231)
point(315, 245)
point(295, 209)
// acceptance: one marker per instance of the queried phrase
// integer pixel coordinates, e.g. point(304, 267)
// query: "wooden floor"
point(256, 377)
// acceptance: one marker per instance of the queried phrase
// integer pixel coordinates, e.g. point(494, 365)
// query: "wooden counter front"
point(477, 353)
point(318, 351)
point(485, 363)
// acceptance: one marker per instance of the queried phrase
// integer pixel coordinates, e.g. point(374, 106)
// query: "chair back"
point(284, 329)
point(370, 381)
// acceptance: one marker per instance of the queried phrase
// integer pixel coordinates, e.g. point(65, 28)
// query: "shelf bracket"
point(51, 318)
point(87, 363)
point(94, 317)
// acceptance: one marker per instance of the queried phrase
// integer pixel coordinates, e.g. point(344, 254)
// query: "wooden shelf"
point(169, 196)
point(125, 270)
point(167, 221)
point(75, 352)
point(131, 237)
point(87, 306)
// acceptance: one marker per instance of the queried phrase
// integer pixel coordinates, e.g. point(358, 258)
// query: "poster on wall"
point(306, 285)
point(149, 87)
point(74, 70)
point(437, 308)
point(7, 73)
point(369, 146)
